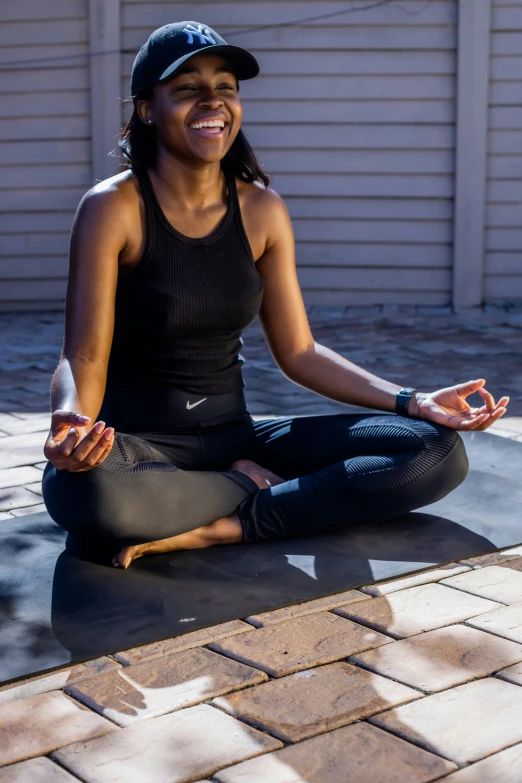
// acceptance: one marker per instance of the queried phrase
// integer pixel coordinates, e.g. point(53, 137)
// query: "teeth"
point(207, 124)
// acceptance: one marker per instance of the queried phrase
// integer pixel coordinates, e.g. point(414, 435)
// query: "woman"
point(170, 260)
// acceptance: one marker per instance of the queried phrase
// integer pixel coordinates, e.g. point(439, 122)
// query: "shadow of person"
point(97, 609)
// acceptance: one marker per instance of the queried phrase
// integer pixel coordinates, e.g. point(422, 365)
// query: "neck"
point(193, 186)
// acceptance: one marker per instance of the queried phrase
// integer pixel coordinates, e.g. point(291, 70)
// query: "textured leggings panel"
point(338, 471)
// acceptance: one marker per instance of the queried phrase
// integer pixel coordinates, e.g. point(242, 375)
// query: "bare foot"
point(225, 531)
point(264, 478)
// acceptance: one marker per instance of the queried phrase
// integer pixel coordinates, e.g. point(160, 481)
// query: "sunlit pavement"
point(417, 679)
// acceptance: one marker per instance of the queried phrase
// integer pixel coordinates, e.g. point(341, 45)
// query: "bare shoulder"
point(265, 216)
point(119, 192)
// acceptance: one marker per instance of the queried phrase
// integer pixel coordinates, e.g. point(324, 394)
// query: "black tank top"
point(180, 312)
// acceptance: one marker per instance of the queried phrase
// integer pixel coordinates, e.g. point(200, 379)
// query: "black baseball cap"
point(173, 44)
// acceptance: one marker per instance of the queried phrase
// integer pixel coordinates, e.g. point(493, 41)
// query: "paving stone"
point(493, 582)
point(314, 701)
point(494, 558)
point(14, 426)
point(441, 659)
point(506, 622)
point(175, 748)
point(17, 497)
point(425, 577)
point(36, 725)
point(512, 674)
point(40, 465)
point(354, 754)
point(193, 639)
point(308, 607)
point(56, 680)
point(417, 609)
point(463, 724)
point(300, 643)
point(40, 770)
point(21, 450)
point(155, 687)
point(503, 767)
point(21, 512)
point(16, 477)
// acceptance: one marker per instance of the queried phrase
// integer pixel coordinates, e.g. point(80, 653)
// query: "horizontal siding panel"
point(507, 68)
point(47, 56)
point(331, 37)
point(415, 13)
point(505, 117)
point(29, 11)
point(357, 162)
point(356, 136)
point(72, 175)
point(365, 298)
point(506, 287)
point(383, 112)
point(369, 208)
point(61, 151)
point(377, 279)
point(504, 263)
point(504, 215)
point(35, 222)
point(373, 255)
point(46, 31)
point(35, 268)
point(416, 232)
point(33, 290)
point(506, 18)
point(506, 43)
point(355, 87)
point(40, 199)
point(45, 128)
point(505, 141)
point(28, 81)
point(504, 191)
point(45, 104)
point(505, 166)
point(504, 239)
point(506, 93)
point(48, 244)
point(364, 186)
point(315, 63)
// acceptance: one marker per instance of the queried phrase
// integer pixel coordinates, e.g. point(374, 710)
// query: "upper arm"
point(283, 314)
point(97, 239)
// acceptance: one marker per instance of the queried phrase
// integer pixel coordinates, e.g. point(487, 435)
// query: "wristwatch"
point(402, 400)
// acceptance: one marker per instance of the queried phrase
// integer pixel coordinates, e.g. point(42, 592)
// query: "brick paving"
point(411, 680)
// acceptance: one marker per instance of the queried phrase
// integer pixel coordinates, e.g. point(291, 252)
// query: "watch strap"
point(402, 400)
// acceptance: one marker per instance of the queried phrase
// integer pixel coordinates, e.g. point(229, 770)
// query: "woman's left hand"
point(449, 407)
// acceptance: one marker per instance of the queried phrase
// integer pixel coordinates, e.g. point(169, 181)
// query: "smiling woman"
point(170, 260)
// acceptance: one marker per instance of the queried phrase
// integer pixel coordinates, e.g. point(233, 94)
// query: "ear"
point(144, 110)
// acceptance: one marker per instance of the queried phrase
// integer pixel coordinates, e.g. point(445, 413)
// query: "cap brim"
point(244, 64)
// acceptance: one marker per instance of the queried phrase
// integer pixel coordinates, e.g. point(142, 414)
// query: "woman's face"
point(197, 112)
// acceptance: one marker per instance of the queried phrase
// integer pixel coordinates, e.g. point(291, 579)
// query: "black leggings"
point(339, 471)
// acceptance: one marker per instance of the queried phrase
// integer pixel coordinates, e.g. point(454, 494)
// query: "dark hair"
point(137, 145)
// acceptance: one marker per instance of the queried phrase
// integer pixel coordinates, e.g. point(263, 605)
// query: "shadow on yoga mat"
point(69, 604)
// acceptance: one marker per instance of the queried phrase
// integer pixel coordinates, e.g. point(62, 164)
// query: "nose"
point(210, 99)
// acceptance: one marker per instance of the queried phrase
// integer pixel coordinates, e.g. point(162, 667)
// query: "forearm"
point(78, 385)
point(327, 373)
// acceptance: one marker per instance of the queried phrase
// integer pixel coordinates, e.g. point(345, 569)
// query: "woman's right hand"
point(71, 447)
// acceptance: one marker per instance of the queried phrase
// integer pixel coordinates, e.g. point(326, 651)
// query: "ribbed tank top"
point(180, 312)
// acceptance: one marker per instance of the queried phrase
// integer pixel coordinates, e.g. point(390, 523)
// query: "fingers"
point(69, 454)
point(488, 399)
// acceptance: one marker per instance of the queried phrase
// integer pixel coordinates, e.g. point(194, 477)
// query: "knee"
point(449, 454)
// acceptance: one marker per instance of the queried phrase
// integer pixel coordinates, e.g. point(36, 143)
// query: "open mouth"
point(209, 128)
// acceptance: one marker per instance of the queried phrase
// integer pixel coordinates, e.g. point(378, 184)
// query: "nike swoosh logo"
point(193, 405)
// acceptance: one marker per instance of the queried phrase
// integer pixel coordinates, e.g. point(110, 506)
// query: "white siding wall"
point(503, 279)
point(44, 145)
point(354, 117)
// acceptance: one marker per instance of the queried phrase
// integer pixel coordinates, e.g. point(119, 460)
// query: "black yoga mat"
point(67, 604)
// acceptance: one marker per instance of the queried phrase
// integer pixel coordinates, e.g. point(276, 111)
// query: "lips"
point(209, 127)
